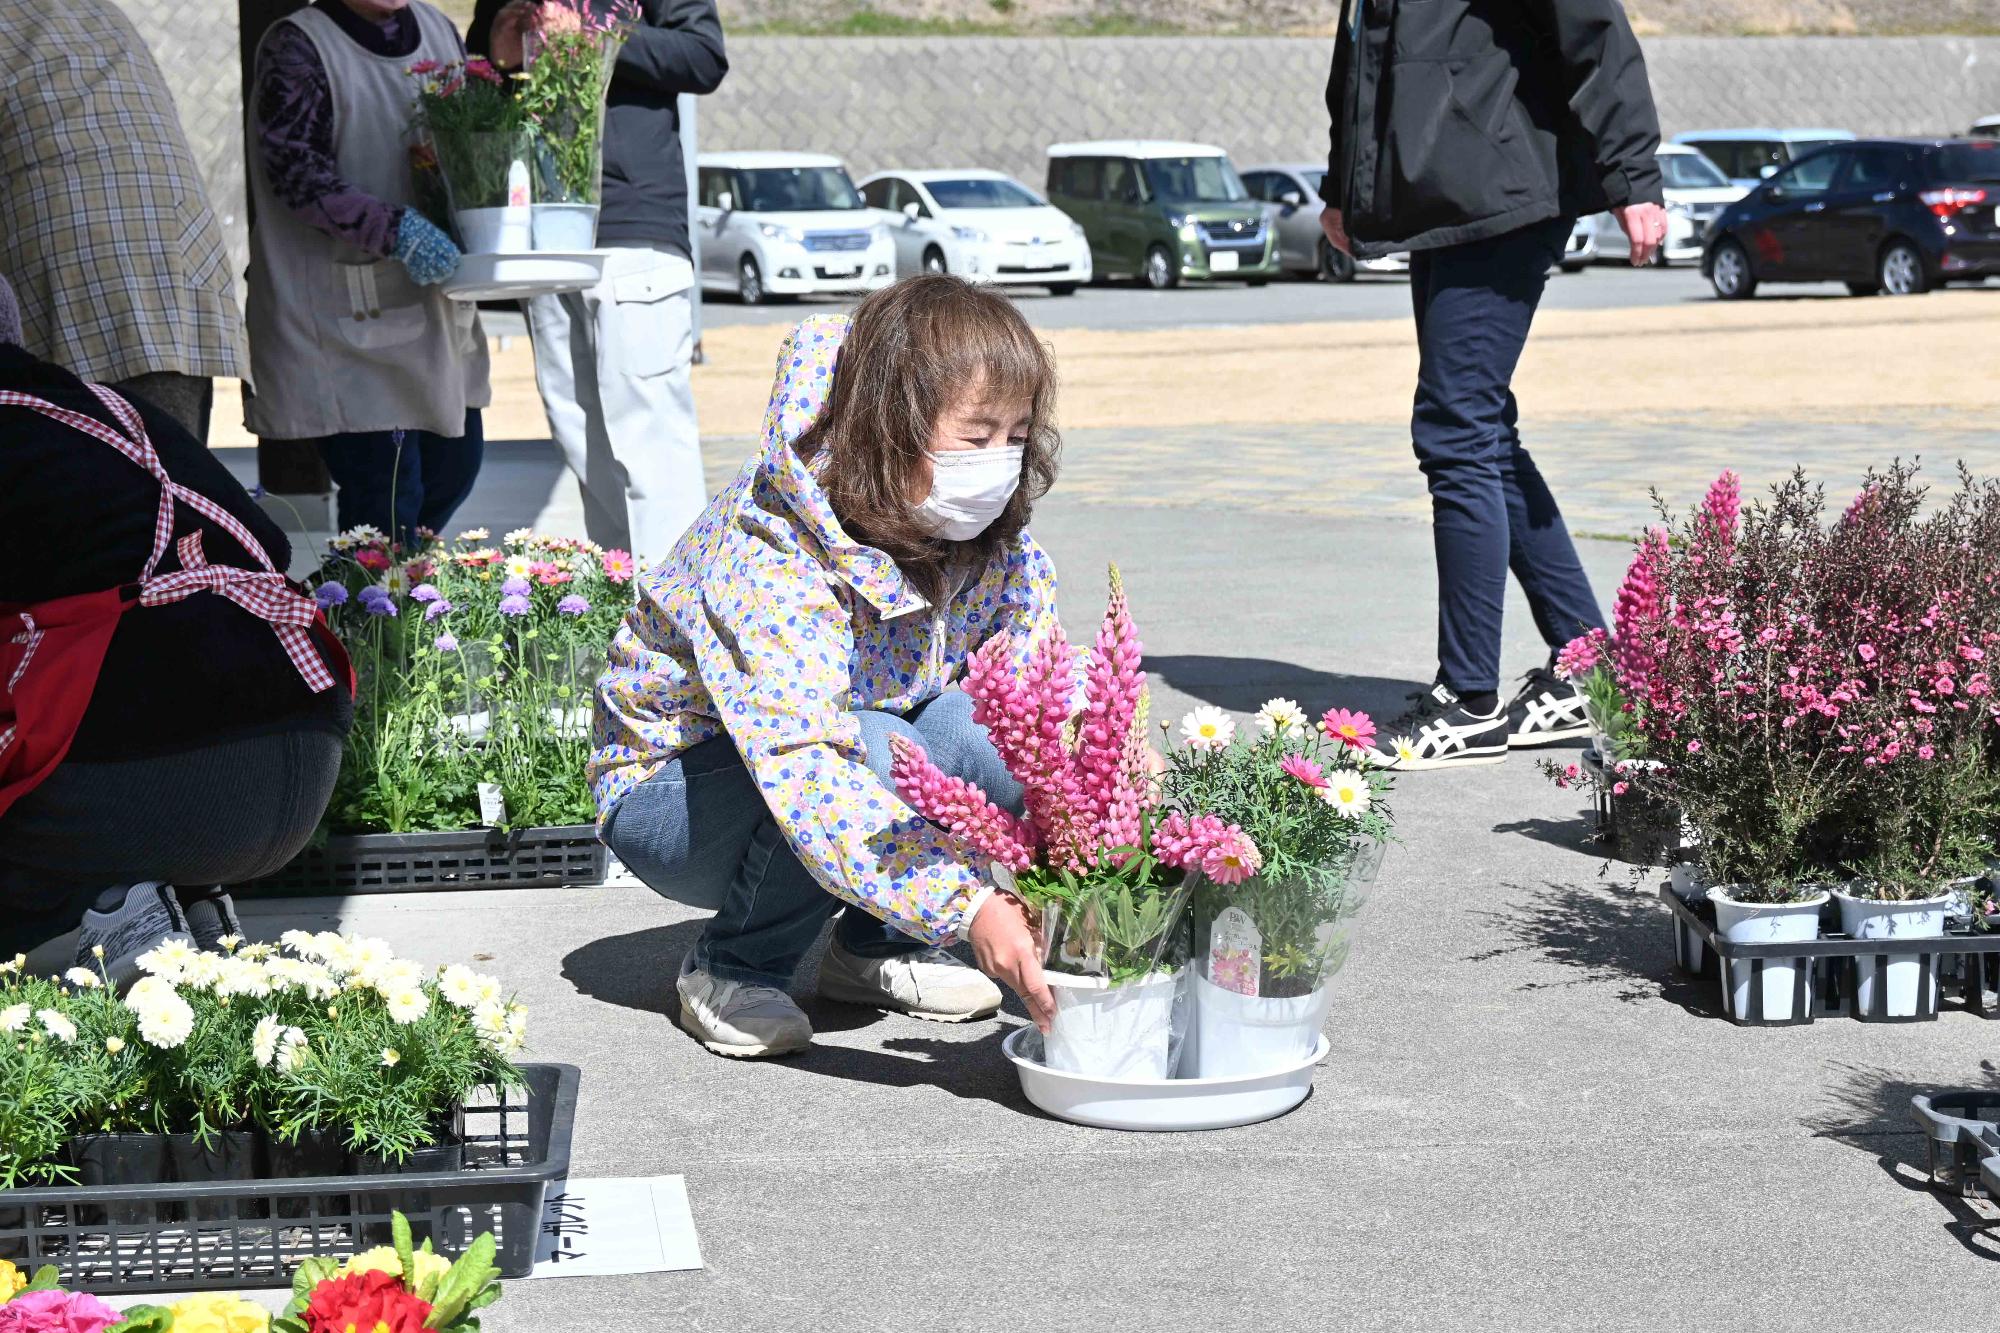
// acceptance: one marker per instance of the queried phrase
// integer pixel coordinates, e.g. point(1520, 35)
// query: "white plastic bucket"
point(566, 228)
point(1156, 1104)
point(1116, 1032)
point(1766, 923)
point(1880, 919)
point(1251, 1034)
point(493, 231)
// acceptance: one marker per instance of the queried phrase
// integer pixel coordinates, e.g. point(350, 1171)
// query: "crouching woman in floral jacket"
point(826, 601)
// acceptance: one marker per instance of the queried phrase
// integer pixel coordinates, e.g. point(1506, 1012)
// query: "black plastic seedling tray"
point(113, 1239)
point(480, 858)
point(1825, 971)
point(1961, 1131)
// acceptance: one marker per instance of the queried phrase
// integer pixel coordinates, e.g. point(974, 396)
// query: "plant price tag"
point(1235, 952)
point(492, 805)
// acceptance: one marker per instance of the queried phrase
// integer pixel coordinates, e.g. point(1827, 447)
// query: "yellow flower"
point(215, 1313)
point(382, 1259)
point(12, 1280)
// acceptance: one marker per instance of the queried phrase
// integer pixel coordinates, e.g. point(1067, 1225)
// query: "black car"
point(1881, 215)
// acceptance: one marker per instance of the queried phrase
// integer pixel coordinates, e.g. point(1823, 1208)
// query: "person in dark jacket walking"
point(1473, 135)
point(614, 362)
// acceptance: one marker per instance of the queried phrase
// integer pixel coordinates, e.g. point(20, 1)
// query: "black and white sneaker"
point(1547, 710)
point(1440, 732)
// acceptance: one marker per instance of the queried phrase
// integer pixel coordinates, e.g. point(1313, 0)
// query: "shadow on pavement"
point(1242, 684)
point(1572, 835)
point(1613, 935)
point(633, 971)
point(1870, 1110)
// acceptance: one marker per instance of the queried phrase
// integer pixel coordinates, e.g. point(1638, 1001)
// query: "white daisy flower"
point(1347, 791)
point(407, 1006)
point(519, 566)
point(474, 535)
point(490, 991)
point(1281, 717)
point(396, 581)
point(301, 942)
point(1207, 728)
point(113, 1045)
point(1405, 750)
point(256, 953)
point(459, 985)
point(396, 975)
point(519, 535)
point(166, 1021)
point(489, 1020)
point(83, 978)
point(264, 1040)
point(169, 959)
point(15, 1017)
point(366, 955)
point(240, 976)
point(391, 1057)
point(292, 1048)
point(57, 1026)
point(229, 943)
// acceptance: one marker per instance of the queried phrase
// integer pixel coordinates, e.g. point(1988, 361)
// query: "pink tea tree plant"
point(1815, 693)
point(1314, 810)
point(1089, 852)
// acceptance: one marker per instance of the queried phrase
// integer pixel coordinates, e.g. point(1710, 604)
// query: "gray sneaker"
point(930, 985)
point(147, 915)
point(738, 1019)
point(211, 915)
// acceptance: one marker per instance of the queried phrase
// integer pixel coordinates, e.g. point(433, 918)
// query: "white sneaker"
point(931, 985)
point(1440, 732)
point(739, 1019)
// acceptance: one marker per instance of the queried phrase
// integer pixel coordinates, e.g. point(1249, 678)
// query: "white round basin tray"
point(1155, 1104)
point(506, 277)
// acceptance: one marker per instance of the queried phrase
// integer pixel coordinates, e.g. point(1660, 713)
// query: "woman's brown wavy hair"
point(914, 350)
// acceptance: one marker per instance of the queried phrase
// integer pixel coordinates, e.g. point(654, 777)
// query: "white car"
point(787, 224)
point(983, 226)
point(1696, 191)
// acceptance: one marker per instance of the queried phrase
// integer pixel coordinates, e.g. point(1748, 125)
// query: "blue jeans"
point(699, 832)
point(401, 480)
point(1490, 508)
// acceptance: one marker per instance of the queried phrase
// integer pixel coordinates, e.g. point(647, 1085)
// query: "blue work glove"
point(424, 249)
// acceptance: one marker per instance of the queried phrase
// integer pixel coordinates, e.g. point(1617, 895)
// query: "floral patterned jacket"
point(771, 625)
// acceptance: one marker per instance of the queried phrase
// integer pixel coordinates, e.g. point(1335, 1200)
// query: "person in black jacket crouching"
point(1473, 135)
point(171, 707)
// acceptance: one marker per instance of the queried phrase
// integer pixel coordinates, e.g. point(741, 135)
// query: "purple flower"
point(374, 592)
point(379, 606)
point(436, 609)
point(515, 586)
point(573, 605)
point(426, 592)
point(329, 595)
point(445, 643)
point(514, 604)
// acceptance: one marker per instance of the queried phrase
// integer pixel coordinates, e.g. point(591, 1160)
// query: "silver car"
point(1290, 195)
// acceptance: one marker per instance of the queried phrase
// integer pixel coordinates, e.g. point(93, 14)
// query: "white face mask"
point(969, 489)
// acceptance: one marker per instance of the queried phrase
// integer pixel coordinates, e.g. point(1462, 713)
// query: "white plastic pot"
point(1250, 1034)
point(565, 228)
point(1766, 923)
point(489, 231)
point(1114, 1032)
point(1881, 919)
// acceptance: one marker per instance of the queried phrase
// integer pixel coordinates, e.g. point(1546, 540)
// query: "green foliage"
point(563, 93)
point(475, 128)
point(1117, 919)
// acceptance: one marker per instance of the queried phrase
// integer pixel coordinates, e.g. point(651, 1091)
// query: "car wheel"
point(1062, 289)
point(1901, 270)
point(1576, 266)
point(1161, 272)
point(750, 282)
point(1729, 273)
point(1863, 289)
point(1334, 265)
point(934, 261)
point(1256, 282)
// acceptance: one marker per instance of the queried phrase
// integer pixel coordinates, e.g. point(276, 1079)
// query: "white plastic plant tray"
point(509, 277)
point(1169, 1103)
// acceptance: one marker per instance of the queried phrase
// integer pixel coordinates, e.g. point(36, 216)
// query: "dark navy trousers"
point(1491, 510)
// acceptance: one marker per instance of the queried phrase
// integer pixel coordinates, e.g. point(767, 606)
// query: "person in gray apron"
point(352, 343)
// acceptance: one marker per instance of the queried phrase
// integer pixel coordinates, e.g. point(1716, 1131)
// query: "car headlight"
point(968, 233)
point(778, 232)
point(1680, 210)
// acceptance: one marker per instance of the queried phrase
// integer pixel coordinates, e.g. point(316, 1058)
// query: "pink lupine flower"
point(1639, 619)
point(1304, 769)
point(1113, 682)
point(1352, 729)
point(1023, 713)
point(1719, 510)
point(958, 807)
point(1580, 656)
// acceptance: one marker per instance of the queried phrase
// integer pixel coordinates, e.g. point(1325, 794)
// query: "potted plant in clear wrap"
point(569, 55)
point(1087, 855)
point(1267, 943)
point(476, 148)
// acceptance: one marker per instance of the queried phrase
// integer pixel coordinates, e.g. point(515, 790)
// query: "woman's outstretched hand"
point(1005, 947)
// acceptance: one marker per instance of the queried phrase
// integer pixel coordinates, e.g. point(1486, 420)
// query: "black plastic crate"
point(1961, 1130)
point(1965, 965)
point(255, 1233)
point(1640, 827)
point(539, 858)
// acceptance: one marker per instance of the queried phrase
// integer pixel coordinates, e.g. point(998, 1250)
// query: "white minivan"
point(982, 225)
point(787, 224)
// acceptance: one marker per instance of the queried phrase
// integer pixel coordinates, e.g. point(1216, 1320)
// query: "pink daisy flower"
point(1348, 727)
point(1304, 769)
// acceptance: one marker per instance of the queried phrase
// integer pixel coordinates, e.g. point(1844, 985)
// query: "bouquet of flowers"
point(396, 1288)
point(471, 129)
point(475, 666)
point(1087, 854)
point(570, 52)
point(1267, 945)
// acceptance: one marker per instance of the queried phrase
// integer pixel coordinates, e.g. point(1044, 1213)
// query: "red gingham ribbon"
point(263, 593)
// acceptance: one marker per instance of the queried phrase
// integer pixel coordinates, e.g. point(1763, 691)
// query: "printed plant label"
point(492, 805)
point(1235, 952)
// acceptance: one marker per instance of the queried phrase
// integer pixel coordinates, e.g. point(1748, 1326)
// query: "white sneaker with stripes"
point(1546, 711)
point(1440, 732)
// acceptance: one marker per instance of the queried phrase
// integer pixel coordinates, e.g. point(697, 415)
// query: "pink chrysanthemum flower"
point(1352, 729)
point(1304, 769)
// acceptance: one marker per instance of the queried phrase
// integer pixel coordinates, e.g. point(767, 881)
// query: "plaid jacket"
point(105, 228)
